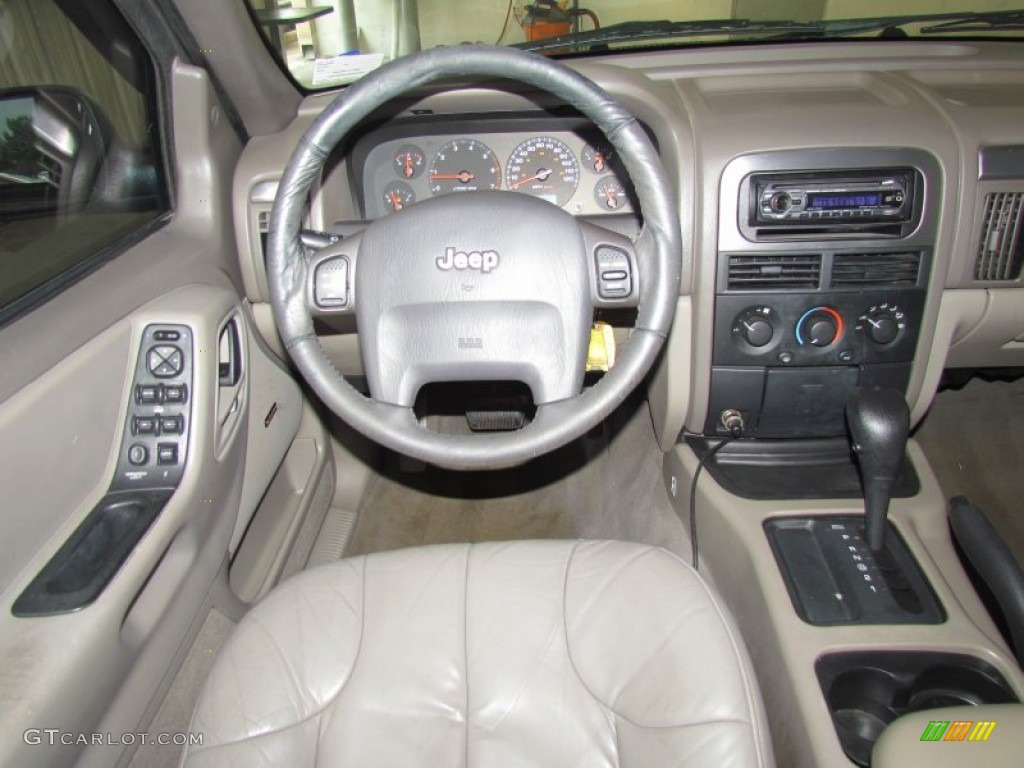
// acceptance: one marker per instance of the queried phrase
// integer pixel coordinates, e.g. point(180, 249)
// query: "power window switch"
point(167, 453)
point(147, 394)
point(171, 425)
point(143, 425)
point(175, 393)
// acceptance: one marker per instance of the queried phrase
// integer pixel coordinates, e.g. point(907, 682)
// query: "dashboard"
point(851, 213)
point(571, 167)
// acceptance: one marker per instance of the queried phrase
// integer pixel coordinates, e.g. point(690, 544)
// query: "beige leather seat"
point(529, 653)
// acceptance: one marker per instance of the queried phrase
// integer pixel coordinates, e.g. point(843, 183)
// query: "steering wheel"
point(475, 286)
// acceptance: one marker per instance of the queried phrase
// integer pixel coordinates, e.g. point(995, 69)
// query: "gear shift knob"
point(879, 422)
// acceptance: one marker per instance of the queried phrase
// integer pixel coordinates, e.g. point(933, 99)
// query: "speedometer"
point(544, 167)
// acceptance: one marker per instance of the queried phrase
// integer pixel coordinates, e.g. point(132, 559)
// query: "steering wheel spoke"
point(612, 262)
point(330, 278)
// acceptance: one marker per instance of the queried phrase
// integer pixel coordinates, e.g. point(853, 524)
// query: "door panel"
point(66, 396)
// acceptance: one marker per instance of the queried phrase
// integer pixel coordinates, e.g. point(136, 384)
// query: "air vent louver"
point(1000, 249)
point(867, 270)
point(263, 221)
point(769, 272)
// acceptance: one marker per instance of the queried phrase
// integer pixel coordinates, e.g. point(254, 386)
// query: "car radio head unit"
point(832, 197)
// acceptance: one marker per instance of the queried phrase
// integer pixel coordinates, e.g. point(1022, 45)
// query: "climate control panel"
point(817, 329)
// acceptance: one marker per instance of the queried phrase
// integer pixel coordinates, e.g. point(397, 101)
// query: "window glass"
point(327, 43)
point(79, 154)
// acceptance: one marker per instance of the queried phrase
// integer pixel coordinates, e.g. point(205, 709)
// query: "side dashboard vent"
point(1000, 251)
point(770, 271)
point(871, 270)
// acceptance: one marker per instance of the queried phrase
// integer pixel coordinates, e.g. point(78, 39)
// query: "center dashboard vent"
point(875, 270)
point(772, 271)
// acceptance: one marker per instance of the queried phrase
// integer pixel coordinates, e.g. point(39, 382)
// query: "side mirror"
point(53, 143)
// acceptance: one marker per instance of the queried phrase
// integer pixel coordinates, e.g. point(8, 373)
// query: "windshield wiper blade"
point(969, 22)
point(630, 31)
point(936, 23)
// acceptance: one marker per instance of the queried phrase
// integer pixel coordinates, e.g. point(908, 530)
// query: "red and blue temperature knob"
point(820, 327)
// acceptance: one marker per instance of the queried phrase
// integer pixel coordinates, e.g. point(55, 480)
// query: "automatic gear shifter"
point(879, 422)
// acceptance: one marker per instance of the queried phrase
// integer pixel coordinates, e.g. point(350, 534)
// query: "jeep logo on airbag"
point(485, 261)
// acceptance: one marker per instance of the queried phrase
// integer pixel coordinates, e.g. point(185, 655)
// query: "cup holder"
point(866, 691)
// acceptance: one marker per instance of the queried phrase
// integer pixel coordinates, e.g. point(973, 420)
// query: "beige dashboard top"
point(709, 107)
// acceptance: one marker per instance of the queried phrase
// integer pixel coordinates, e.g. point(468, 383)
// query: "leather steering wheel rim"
point(657, 252)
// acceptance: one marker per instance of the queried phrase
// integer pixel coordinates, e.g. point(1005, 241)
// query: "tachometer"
point(544, 167)
point(464, 165)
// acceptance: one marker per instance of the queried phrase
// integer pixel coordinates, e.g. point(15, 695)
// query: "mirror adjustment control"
point(164, 361)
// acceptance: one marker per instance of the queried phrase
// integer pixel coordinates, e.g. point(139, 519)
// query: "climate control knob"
point(755, 326)
point(882, 324)
point(819, 327)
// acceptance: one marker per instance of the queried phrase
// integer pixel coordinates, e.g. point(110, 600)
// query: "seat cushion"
point(526, 653)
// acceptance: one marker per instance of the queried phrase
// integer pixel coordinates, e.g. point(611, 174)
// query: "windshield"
point(329, 43)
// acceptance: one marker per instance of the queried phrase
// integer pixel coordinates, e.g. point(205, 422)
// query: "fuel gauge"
point(610, 194)
point(398, 196)
point(409, 161)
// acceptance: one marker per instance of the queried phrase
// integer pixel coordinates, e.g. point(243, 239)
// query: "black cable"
point(693, 492)
point(504, 27)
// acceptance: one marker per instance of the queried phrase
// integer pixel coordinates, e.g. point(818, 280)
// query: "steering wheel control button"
point(137, 455)
point(164, 361)
point(330, 283)
point(166, 453)
point(175, 394)
point(613, 272)
point(167, 335)
point(148, 394)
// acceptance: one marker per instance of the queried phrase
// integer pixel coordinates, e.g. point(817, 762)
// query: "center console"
point(825, 529)
point(823, 266)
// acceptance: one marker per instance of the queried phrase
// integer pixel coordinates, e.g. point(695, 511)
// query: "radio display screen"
point(830, 201)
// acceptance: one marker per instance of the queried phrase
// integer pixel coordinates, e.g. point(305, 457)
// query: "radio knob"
point(819, 327)
point(882, 327)
point(781, 202)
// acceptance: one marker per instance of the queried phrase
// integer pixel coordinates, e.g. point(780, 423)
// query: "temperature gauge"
point(598, 158)
point(409, 161)
point(398, 196)
point(610, 194)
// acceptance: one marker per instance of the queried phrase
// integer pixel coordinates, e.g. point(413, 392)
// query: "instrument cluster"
point(574, 171)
